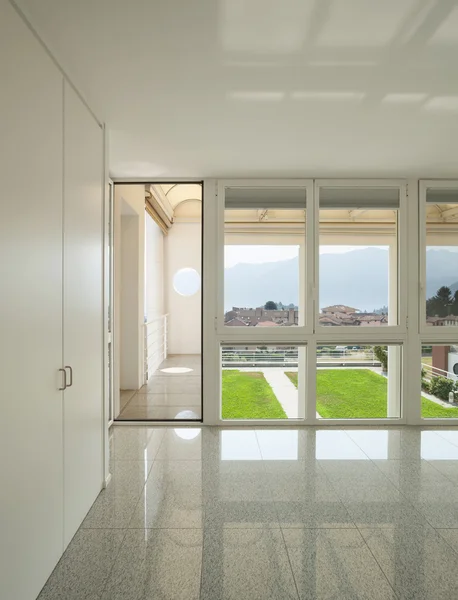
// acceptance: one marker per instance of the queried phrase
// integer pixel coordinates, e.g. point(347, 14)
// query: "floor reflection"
point(274, 513)
point(173, 392)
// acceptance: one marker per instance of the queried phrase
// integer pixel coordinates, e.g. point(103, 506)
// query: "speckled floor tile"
point(448, 468)
point(240, 515)
point(136, 443)
point(330, 564)
point(418, 563)
point(82, 572)
point(246, 565)
point(285, 444)
point(329, 513)
point(172, 385)
point(165, 399)
point(111, 510)
point(413, 478)
point(128, 477)
point(149, 412)
point(386, 514)
point(176, 445)
point(152, 564)
point(450, 536)
point(441, 513)
point(172, 497)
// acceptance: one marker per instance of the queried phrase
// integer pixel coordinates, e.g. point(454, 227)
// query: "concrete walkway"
point(285, 391)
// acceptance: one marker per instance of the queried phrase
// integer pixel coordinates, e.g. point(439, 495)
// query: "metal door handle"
point(65, 379)
point(71, 377)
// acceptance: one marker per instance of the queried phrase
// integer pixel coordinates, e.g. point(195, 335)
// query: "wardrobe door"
point(83, 311)
point(31, 477)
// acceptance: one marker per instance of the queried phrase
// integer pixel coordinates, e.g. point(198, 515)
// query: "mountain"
point(358, 278)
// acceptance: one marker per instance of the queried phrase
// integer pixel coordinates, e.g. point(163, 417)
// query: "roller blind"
point(359, 198)
point(265, 198)
point(442, 196)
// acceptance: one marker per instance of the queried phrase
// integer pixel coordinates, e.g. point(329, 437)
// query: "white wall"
point(129, 285)
point(183, 249)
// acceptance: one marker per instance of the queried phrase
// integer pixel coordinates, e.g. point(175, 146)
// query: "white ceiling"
point(265, 87)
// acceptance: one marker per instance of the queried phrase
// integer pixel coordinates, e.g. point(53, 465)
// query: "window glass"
point(358, 257)
point(262, 382)
point(264, 257)
point(439, 381)
point(442, 258)
point(358, 381)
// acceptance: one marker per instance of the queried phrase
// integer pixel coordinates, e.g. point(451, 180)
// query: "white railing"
point(431, 371)
point(155, 336)
point(288, 357)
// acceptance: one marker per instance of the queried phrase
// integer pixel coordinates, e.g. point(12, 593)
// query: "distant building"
point(253, 317)
point(332, 316)
point(341, 315)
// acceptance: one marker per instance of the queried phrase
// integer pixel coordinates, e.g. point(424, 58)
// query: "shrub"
point(441, 387)
point(381, 353)
point(426, 386)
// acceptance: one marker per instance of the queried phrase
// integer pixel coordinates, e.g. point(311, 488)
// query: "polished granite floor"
point(172, 392)
point(270, 514)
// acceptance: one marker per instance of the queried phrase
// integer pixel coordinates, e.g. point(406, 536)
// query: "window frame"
point(393, 332)
point(445, 333)
point(281, 334)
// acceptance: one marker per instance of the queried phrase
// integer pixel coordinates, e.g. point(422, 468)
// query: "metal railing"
point(288, 357)
point(430, 371)
point(155, 336)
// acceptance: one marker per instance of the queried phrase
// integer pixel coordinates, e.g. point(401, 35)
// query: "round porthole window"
point(186, 282)
point(455, 368)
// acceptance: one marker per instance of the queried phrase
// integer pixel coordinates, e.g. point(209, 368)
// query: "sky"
point(262, 254)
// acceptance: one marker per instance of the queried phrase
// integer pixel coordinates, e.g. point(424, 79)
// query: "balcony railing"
point(237, 357)
point(155, 336)
point(430, 371)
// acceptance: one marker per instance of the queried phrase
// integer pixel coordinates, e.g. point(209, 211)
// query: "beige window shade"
point(265, 198)
point(359, 198)
point(442, 196)
point(164, 223)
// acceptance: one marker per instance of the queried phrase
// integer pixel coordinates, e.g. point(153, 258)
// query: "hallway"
point(269, 514)
point(172, 392)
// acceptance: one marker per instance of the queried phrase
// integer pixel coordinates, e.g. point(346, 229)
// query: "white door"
point(83, 311)
point(31, 479)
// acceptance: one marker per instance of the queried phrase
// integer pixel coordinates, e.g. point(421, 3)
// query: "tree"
point(444, 294)
point(442, 304)
point(270, 305)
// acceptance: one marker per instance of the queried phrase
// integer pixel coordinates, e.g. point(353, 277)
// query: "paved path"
point(285, 391)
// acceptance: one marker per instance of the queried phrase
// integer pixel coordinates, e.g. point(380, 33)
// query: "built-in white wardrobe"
point(51, 310)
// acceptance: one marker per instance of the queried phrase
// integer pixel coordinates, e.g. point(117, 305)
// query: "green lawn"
point(359, 394)
point(247, 395)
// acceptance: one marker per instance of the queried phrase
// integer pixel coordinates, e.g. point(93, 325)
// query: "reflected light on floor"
point(177, 370)
point(187, 433)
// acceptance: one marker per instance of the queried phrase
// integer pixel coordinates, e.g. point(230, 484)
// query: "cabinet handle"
point(65, 379)
point(71, 377)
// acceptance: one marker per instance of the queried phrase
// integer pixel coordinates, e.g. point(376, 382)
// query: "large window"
point(327, 293)
point(441, 261)
point(264, 256)
point(262, 382)
point(439, 381)
point(358, 381)
point(358, 257)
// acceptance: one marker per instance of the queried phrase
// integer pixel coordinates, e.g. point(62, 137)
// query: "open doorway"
point(158, 301)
